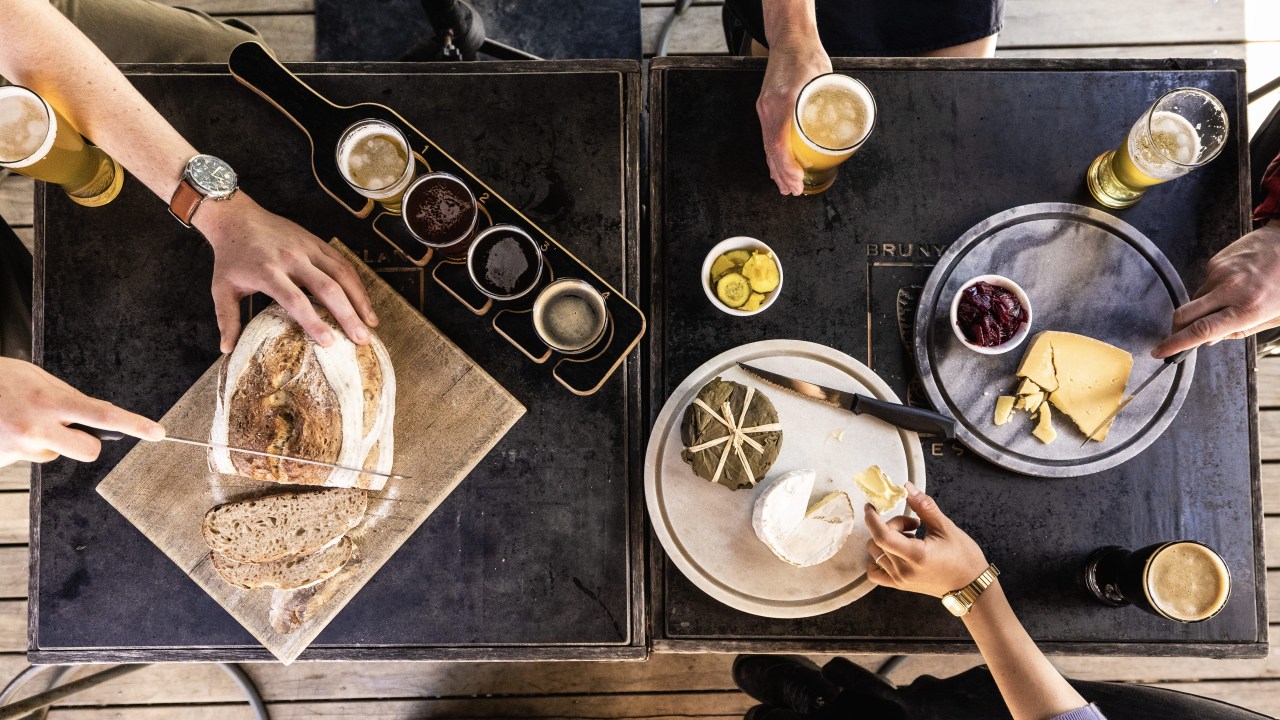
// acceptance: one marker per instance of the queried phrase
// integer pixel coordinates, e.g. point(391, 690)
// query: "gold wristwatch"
point(959, 602)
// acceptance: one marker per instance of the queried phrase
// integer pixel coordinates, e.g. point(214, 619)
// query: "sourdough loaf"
point(278, 526)
point(289, 573)
point(280, 392)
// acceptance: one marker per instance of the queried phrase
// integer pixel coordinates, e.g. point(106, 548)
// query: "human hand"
point(36, 407)
point(946, 559)
point(1240, 295)
point(257, 251)
point(792, 64)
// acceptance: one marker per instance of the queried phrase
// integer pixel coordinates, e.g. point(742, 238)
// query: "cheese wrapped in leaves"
point(731, 434)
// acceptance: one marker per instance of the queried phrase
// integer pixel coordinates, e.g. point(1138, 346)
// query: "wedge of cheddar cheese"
point(1084, 378)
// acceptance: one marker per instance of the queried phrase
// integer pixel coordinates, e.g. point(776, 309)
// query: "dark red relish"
point(989, 315)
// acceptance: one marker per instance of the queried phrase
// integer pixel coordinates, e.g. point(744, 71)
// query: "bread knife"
point(898, 415)
point(106, 435)
point(1168, 363)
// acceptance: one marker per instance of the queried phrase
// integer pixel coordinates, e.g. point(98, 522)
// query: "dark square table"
point(956, 142)
point(536, 555)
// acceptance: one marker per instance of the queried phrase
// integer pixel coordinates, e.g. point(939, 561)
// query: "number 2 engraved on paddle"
point(482, 198)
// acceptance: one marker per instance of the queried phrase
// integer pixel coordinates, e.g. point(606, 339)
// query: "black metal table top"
point(536, 554)
point(956, 142)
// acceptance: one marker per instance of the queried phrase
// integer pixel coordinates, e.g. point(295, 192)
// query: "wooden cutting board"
point(449, 414)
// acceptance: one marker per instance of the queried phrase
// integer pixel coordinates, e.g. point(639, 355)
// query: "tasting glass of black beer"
point(504, 262)
point(1183, 580)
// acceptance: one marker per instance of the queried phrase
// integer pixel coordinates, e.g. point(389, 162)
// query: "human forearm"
point(45, 52)
point(1031, 686)
point(790, 22)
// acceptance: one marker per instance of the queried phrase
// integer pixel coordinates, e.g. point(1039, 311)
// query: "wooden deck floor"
point(669, 686)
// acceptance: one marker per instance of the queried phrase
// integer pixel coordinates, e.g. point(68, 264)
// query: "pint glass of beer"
point(1183, 581)
point(834, 115)
point(1185, 129)
point(375, 159)
point(37, 141)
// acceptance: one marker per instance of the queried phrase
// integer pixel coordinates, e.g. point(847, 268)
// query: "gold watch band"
point(969, 594)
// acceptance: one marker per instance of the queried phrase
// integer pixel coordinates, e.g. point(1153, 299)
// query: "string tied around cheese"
point(738, 435)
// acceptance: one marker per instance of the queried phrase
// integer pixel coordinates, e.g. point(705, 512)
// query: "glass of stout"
point(504, 262)
point(441, 212)
point(1182, 580)
point(570, 316)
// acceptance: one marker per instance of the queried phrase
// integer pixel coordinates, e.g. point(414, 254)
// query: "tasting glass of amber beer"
point(375, 159)
point(1183, 580)
point(37, 141)
point(1185, 129)
point(834, 115)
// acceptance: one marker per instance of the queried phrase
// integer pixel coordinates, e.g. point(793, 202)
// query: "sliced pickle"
point(722, 265)
point(762, 272)
point(733, 290)
point(738, 257)
point(754, 302)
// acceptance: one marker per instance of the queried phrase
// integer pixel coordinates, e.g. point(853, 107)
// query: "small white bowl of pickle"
point(741, 276)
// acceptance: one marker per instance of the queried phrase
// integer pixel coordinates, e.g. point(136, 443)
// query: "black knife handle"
point(97, 432)
point(907, 418)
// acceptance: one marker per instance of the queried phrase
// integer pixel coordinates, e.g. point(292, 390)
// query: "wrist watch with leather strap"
point(205, 177)
point(960, 602)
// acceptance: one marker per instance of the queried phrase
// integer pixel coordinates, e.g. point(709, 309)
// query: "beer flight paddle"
point(324, 123)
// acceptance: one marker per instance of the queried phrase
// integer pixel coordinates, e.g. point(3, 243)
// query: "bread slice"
point(277, 526)
point(291, 573)
point(291, 609)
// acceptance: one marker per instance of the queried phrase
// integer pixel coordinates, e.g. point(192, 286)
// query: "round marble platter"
point(706, 529)
point(1085, 272)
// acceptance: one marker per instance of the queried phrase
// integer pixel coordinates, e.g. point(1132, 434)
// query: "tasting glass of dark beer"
point(504, 262)
point(1182, 580)
point(570, 316)
point(441, 212)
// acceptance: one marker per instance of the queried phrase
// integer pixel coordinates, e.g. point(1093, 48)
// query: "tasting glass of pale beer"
point(1183, 581)
point(1186, 128)
point(375, 159)
point(833, 117)
point(37, 141)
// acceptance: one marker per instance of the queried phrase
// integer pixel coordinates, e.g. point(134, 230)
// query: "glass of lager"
point(37, 141)
point(1185, 129)
point(375, 160)
point(1183, 580)
point(834, 115)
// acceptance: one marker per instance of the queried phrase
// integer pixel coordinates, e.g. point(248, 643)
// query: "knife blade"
point(1168, 363)
point(107, 435)
point(907, 418)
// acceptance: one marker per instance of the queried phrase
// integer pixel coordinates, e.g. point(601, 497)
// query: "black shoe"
point(788, 682)
point(764, 712)
point(872, 694)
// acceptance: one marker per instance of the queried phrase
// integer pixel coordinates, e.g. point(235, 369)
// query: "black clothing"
point(15, 296)
point(880, 28)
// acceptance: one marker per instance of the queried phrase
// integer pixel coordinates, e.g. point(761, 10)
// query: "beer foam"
point(25, 134)
point(835, 113)
point(506, 264)
point(373, 158)
point(1172, 144)
point(1187, 582)
point(571, 320)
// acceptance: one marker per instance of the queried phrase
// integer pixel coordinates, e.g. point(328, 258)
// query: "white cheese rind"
point(795, 533)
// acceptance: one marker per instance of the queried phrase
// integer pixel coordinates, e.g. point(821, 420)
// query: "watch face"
point(954, 605)
point(212, 175)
